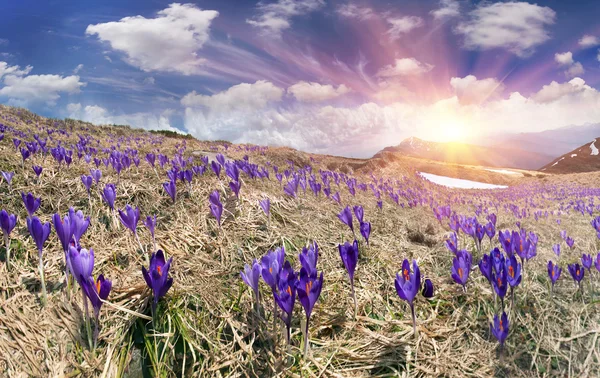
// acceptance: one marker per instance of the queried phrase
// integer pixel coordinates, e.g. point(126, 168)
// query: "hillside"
point(210, 323)
point(469, 154)
point(581, 159)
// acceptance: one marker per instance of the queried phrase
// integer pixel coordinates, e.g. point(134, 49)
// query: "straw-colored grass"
point(207, 324)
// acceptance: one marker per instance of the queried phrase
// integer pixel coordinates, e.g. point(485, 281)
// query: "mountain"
point(470, 154)
point(582, 159)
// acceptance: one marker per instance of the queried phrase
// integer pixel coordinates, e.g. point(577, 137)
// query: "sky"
point(327, 76)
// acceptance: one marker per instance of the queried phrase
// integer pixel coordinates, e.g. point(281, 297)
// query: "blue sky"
point(344, 77)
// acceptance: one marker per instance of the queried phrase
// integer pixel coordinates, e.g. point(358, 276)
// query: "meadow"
point(212, 221)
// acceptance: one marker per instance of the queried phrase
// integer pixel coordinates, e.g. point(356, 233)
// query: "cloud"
point(245, 96)
point(170, 42)
point(405, 67)
point(314, 92)
point(78, 68)
point(573, 68)
point(5, 69)
point(516, 26)
point(564, 59)
point(598, 57)
point(355, 11)
point(447, 9)
point(149, 80)
point(555, 91)
point(589, 41)
point(403, 25)
point(471, 90)
point(38, 88)
point(101, 116)
point(108, 58)
point(276, 17)
point(3, 41)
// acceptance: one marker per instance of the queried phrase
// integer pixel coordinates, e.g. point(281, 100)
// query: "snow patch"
point(504, 171)
point(573, 155)
point(593, 148)
point(451, 182)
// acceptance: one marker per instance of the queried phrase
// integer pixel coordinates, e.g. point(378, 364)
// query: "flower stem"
point(7, 242)
point(41, 268)
point(88, 327)
point(414, 320)
point(353, 297)
point(306, 338)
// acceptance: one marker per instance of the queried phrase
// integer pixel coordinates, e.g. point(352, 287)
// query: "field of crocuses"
point(129, 253)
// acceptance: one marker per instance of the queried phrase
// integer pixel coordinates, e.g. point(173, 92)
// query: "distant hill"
point(470, 154)
point(582, 159)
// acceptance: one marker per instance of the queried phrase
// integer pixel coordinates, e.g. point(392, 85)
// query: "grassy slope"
point(208, 316)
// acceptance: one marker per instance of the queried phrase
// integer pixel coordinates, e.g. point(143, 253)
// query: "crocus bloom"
point(96, 175)
point(365, 230)
point(31, 203)
point(576, 272)
point(110, 194)
point(309, 257)
point(505, 241)
point(359, 213)
point(157, 277)
point(235, 187)
point(79, 224)
point(216, 207)
point(7, 224)
point(349, 255)
point(265, 204)
point(408, 285)
point(427, 291)
point(271, 265)
point(39, 232)
point(461, 266)
point(556, 249)
point(513, 269)
point(500, 281)
point(96, 292)
point(250, 275)
point(586, 261)
point(500, 328)
point(485, 266)
point(570, 242)
point(490, 230)
point(8, 176)
point(285, 296)
point(216, 168)
point(130, 218)
point(87, 182)
point(597, 262)
point(452, 242)
point(346, 217)
point(553, 272)
point(81, 263)
point(309, 289)
point(171, 189)
point(38, 170)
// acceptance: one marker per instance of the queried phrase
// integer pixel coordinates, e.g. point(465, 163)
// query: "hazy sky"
point(320, 75)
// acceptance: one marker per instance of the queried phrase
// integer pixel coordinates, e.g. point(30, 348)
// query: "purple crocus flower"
point(461, 267)
point(309, 289)
point(452, 242)
point(150, 223)
point(554, 272)
point(157, 276)
point(485, 266)
point(39, 233)
point(8, 176)
point(109, 194)
point(96, 292)
point(499, 328)
point(216, 207)
point(7, 224)
point(265, 204)
point(309, 257)
point(505, 241)
point(576, 272)
point(365, 230)
point(556, 249)
point(38, 170)
point(428, 290)
point(87, 182)
point(171, 189)
point(586, 261)
point(151, 158)
point(235, 187)
point(570, 242)
point(64, 231)
point(359, 212)
point(31, 203)
point(349, 255)
point(216, 167)
point(96, 175)
point(81, 263)
point(500, 281)
point(490, 230)
point(271, 265)
point(346, 217)
point(407, 286)
point(250, 275)
point(130, 218)
point(597, 262)
point(79, 224)
point(285, 296)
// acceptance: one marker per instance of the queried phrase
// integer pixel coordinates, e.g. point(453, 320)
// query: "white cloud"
point(5, 69)
point(149, 80)
point(564, 59)
point(576, 69)
point(589, 41)
point(108, 58)
point(471, 90)
point(598, 57)
point(555, 91)
point(405, 67)
point(447, 9)
point(245, 96)
point(78, 68)
point(169, 42)
point(403, 25)
point(276, 17)
point(355, 11)
point(3, 41)
point(516, 26)
point(38, 88)
point(101, 116)
point(314, 92)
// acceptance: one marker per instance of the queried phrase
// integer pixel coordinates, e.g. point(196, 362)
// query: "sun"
point(453, 131)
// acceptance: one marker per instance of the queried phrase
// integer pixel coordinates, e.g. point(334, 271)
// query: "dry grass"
point(208, 321)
